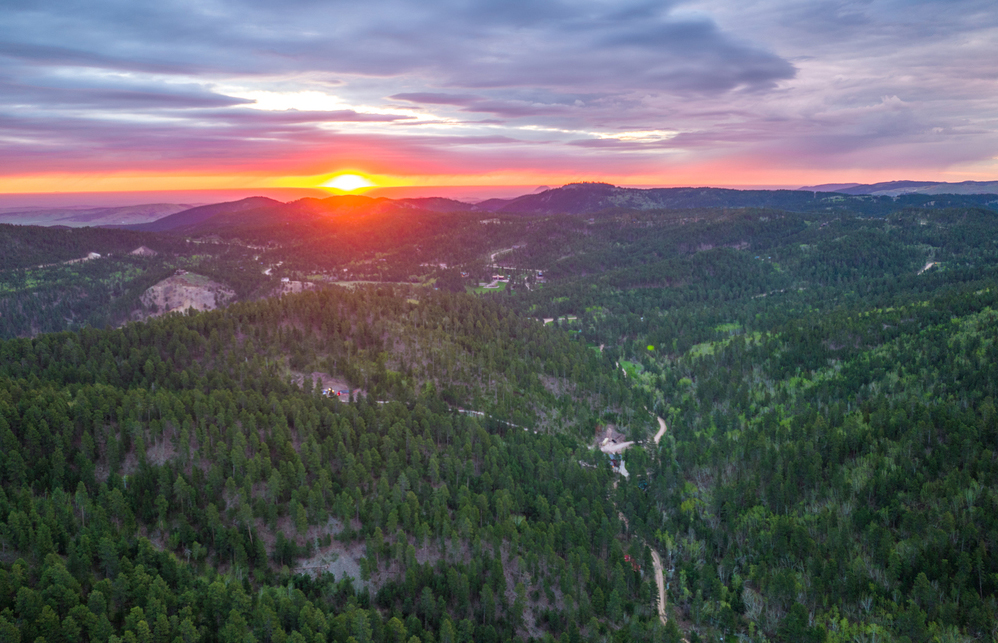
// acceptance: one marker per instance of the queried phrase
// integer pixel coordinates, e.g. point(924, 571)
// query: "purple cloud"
point(831, 82)
point(436, 98)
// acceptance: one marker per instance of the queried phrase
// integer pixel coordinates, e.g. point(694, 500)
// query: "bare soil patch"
point(292, 287)
point(610, 440)
point(340, 559)
point(332, 383)
point(160, 452)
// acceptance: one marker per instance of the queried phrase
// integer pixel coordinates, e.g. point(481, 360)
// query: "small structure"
point(617, 464)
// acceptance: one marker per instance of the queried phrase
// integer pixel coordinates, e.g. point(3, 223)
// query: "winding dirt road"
point(661, 430)
point(655, 558)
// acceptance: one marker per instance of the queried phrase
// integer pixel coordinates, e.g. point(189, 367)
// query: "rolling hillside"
point(820, 384)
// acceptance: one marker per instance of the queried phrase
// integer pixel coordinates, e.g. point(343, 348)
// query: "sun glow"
point(348, 183)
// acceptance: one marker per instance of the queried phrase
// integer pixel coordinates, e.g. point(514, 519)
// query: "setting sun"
point(348, 182)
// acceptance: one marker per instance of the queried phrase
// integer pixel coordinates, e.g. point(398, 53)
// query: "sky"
point(117, 95)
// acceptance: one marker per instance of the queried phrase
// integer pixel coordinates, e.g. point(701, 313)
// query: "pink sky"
point(468, 99)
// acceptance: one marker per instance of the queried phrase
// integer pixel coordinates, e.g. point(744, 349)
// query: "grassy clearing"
point(708, 348)
point(633, 369)
point(480, 290)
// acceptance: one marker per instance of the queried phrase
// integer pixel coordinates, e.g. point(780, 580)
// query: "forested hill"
point(826, 471)
point(59, 279)
point(27, 246)
point(173, 480)
point(838, 468)
point(830, 469)
point(196, 215)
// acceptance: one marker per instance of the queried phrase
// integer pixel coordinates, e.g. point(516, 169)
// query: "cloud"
point(296, 117)
point(630, 46)
point(437, 98)
point(617, 144)
point(116, 98)
point(446, 83)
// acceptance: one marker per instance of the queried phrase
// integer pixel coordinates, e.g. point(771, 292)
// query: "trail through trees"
point(661, 430)
point(660, 581)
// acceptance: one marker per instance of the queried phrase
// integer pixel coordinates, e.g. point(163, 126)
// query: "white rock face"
point(185, 290)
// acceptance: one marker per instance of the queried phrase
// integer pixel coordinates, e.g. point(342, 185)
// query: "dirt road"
point(492, 257)
point(660, 581)
point(655, 558)
point(661, 430)
point(617, 447)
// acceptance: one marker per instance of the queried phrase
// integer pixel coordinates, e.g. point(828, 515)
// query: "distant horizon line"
point(469, 193)
point(194, 198)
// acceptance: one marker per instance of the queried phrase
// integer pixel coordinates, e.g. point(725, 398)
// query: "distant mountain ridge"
point(572, 199)
point(90, 216)
point(588, 198)
point(895, 188)
point(263, 210)
point(194, 216)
